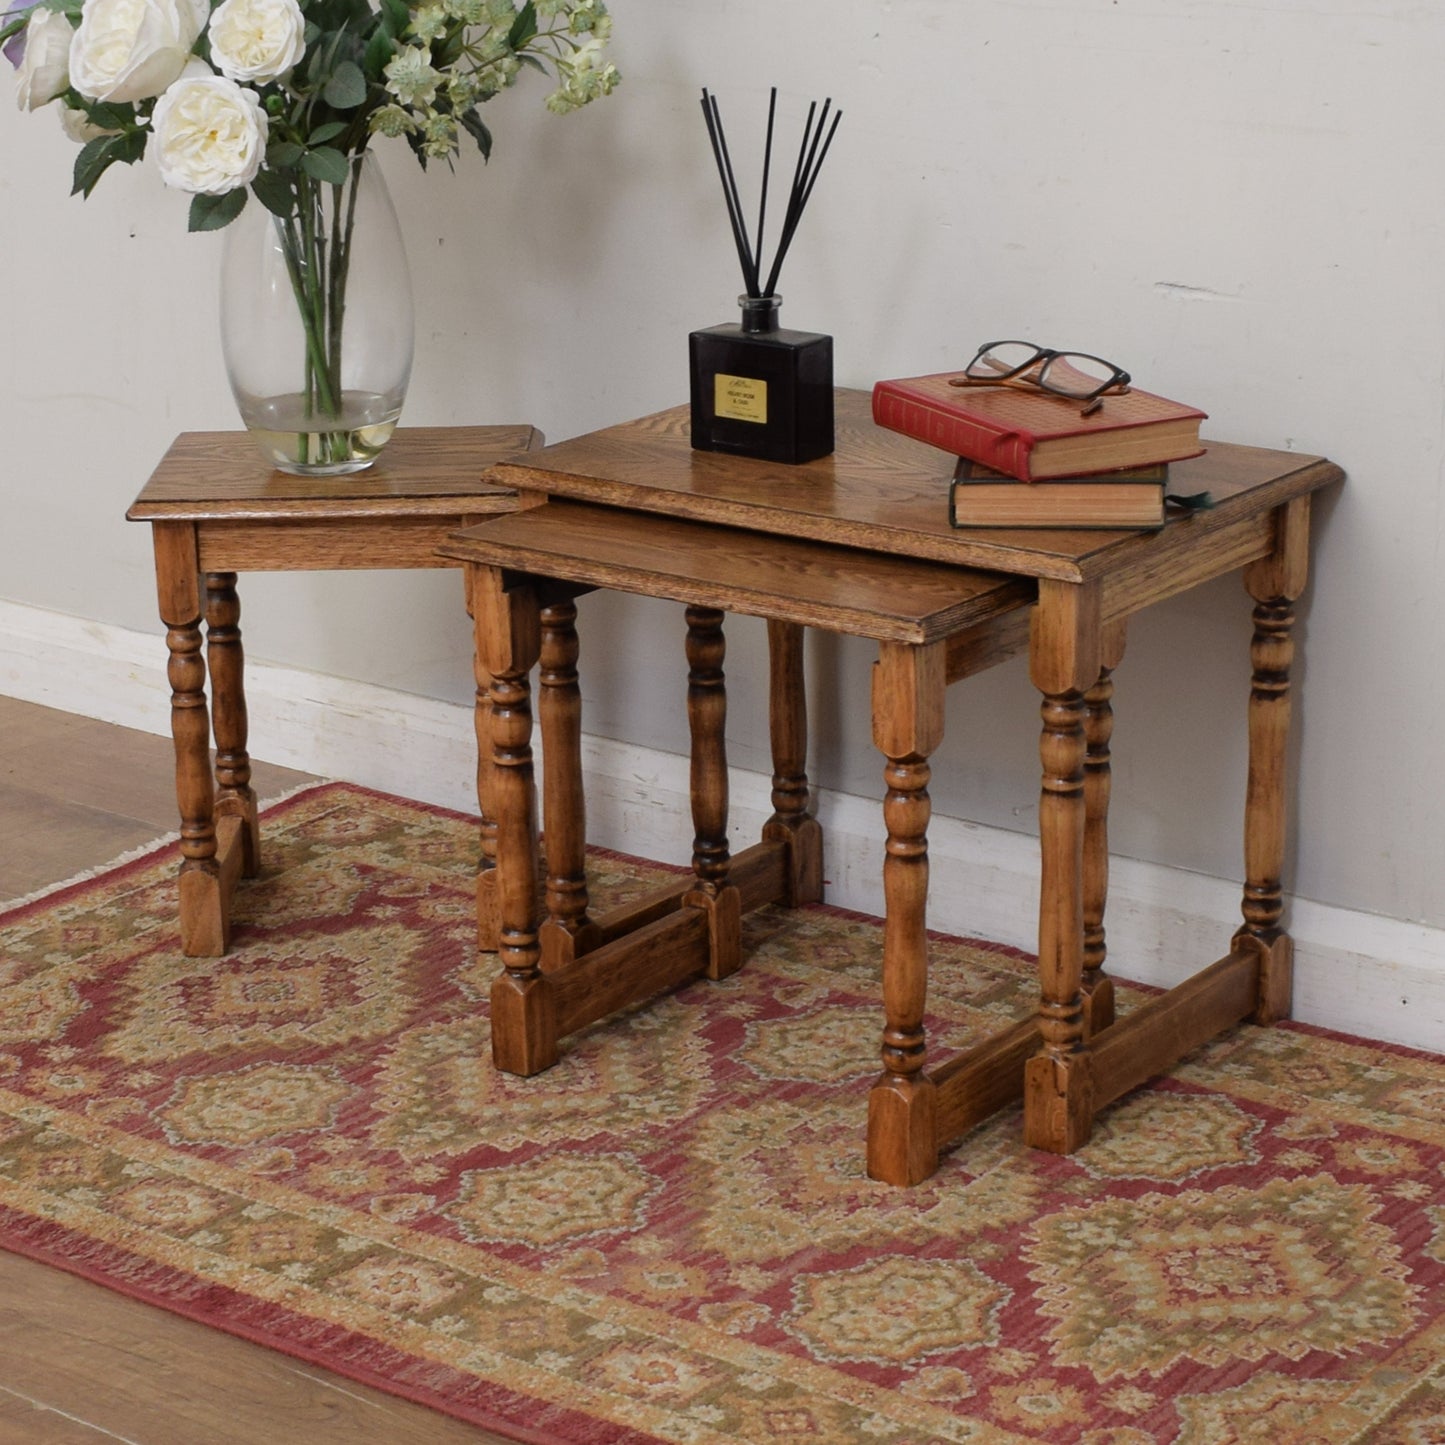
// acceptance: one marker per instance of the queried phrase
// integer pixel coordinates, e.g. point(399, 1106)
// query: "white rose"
point(79, 126)
point(128, 50)
point(45, 69)
point(210, 135)
point(257, 40)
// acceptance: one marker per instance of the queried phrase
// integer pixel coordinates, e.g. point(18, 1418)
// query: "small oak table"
point(215, 509)
point(859, 542)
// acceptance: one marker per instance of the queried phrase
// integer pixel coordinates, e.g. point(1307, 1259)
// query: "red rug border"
point(91, 1261)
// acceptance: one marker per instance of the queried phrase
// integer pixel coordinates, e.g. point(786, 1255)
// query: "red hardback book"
point(1032, 435)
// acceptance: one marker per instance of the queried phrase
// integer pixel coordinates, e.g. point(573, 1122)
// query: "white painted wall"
point(1242, 201)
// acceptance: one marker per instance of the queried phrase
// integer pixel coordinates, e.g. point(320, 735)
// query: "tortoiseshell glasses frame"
point(1075, 375)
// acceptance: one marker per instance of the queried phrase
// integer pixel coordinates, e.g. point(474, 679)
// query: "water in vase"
point(295, 437)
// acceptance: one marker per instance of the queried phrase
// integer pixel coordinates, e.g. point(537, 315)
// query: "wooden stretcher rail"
point(1157, 1034)
point(758, 873)
point(983, 1080)
point(655, 957)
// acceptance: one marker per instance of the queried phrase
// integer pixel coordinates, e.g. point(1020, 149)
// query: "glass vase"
point(316, 322)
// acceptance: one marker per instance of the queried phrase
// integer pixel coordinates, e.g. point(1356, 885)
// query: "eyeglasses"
point(1072, 374)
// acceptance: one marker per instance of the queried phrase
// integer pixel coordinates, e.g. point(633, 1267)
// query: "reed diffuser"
point(759, 390)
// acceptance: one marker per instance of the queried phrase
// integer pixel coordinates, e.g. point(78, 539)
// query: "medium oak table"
point(216, 509)
point(859, 543)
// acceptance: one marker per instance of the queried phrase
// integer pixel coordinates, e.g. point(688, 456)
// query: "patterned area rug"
point(670, 1236)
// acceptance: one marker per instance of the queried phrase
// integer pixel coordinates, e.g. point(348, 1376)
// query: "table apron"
point(298, 545)
point(1169, 571)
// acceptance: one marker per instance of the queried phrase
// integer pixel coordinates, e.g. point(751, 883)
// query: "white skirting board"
point(1357, 972)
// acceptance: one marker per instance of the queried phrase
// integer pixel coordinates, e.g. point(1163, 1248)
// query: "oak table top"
point(886, 492)
point(220, 475)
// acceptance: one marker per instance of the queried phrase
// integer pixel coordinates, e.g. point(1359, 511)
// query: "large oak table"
point(215, 509)
point(859, 543)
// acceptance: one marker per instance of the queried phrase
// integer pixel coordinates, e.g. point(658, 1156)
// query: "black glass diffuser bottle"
point(759, 390)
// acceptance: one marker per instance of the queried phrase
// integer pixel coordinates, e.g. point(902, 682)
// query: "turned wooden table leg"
point(487, 923)
point(524, 1014)
point(226, 663)
point(205, 925)
point(707, 723)
point(1098, 988)
point(1275, 582)
point(908, 689)
point(567, 931)
point(791, 822)
point(1065, 649)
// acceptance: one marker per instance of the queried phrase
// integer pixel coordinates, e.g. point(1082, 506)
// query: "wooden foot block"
point(251, 845)
point(804, 842)
point(243, 809)
point(489, 909)
point(1058, 1102)
point(724, 913)
point(561, 945)
point(902, 1130)
point(1098, 1006)
point(524, 1025)
point(205, 913)
point(206, 891)
point(1276, 977)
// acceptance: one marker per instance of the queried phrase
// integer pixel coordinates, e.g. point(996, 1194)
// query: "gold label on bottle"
point(740, 398)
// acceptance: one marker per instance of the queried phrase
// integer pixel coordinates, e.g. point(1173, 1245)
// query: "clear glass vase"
point(316, 322)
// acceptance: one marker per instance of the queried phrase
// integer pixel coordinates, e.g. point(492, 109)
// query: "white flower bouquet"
point(263, 94)
point(279, 100)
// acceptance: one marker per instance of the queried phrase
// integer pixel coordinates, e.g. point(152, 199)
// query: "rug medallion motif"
point(670, 1236)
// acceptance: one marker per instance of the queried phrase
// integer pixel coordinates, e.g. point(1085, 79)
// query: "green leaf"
point(107, 116)
point(318, 60)
point(210, 213)
point(284, 154)
point(475, 127)
point(98, 155)
point(524, 27)
point(346, 88)
point(449, 49)
point(397, 15)
point(326, 164)
point(91, 163)
point(276, 192)
point(379, 50)
point(324, 133)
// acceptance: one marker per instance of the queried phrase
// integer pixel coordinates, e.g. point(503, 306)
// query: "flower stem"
point(317, 271)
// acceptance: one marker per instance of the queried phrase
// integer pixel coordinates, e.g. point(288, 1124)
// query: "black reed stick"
point(803, 183)
point(767, 166)
point(812, 152)
point(730, 190)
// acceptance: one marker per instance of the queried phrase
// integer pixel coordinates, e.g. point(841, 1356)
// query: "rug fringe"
point(9, 905)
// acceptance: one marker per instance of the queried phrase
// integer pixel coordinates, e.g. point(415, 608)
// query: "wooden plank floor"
point(80, 1365)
